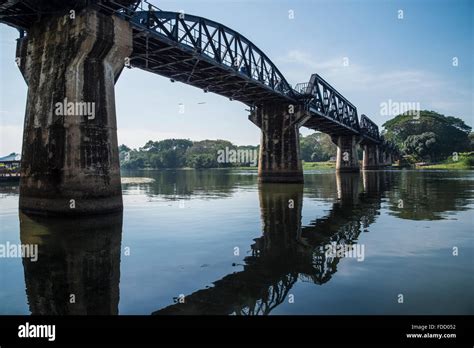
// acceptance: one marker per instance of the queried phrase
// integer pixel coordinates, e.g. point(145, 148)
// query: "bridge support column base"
point(347, 160)
point(383, 158)
point(371, 157)
point(70, 162)
point(279, 159)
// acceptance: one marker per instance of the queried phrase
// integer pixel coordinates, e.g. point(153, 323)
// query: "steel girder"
point(22, 14)
point(369, 129)
point(325, 101)
point(335, 115)
point(206, 54)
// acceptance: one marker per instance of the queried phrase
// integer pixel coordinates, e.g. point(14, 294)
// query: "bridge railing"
point(368, 127)
point(218, 42)
point(302, 89)
point(326, 101)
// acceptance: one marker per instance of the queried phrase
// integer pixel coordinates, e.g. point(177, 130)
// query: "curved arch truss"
point(336, 113)
point(205, 54)
point(369, 128)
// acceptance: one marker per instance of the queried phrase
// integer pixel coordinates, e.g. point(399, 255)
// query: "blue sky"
point(403, 60)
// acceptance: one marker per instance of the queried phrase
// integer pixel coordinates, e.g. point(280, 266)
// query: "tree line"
point(427, 136)
point(181, 153)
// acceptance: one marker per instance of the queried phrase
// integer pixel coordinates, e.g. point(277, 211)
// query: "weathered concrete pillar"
point(370, 159)
point(383, 157)
point(347, 159)
point(70, 162)
point(279, 159)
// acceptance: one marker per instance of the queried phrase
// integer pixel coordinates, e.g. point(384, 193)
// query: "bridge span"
point(73, 51)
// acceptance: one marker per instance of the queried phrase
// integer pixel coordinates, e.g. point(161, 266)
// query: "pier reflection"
point(288, 251)
point(82, 257)
point(78, 266)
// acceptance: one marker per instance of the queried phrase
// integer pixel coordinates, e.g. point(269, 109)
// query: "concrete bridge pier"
point(279, 159)
point(389, 159)
point(388, 162)
point(386, 158)
point(70, 162)
point(383, 157)
point(371, 157)
point(347, 160)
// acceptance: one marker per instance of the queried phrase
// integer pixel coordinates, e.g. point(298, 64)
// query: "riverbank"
point(306, 166)
point(319, 165)
point(463, 161)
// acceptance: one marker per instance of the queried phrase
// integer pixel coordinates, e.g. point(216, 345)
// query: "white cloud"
point(355, 76)
point(366, 87)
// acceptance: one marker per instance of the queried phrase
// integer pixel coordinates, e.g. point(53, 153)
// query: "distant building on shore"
point(10, 167)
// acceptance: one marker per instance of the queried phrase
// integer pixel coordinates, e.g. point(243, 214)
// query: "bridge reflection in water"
point(288, 251)
point(82, 258)
point(78, 266)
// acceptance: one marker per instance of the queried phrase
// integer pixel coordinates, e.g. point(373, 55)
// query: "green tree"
point(451, 134)
point(124, 148)
point(203, 160)
point(170, 158)
point(422, 146)
point(135, 163)
point(317, 147)
point(471, 140)
point(178, 153)
point(155, 161)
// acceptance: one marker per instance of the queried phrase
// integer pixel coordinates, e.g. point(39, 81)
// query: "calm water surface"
point(226, 245)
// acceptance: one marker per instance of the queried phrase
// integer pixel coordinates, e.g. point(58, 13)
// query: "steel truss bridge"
point(210, 56)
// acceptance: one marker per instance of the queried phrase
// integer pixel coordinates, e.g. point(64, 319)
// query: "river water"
point(217, 242)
